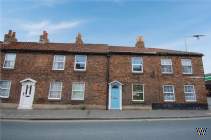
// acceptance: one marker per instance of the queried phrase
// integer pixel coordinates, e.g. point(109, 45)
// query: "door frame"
point(120, 92)
point(23, 83)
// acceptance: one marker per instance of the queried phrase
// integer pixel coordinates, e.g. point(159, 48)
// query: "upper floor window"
point(137, 92)
point(168, 91)
point(166, 65)
point(58, 62)
point(5, 88)
point(189, 93)
point(78, 89)
point(80, 62)
point(186, 66)
point(55, 90)
point(137, 64)
point(9, 61)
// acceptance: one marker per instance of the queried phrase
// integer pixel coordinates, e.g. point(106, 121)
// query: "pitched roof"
point(89, 48)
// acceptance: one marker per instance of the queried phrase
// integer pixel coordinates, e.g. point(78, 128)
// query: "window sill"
point(54, 99)
point(77, 99)
point(169, 101)
point(8, 68)
point(57, 69)
point(76, 70)
point(133, 72)
point(137, 102)
point(166, 73)
point(190, 101)
point(187, 73)
point(4, 97)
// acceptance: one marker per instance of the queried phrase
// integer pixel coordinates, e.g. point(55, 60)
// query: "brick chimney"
point(79, 41)
point(44, 37)
point(140, 42)
point(10, 37)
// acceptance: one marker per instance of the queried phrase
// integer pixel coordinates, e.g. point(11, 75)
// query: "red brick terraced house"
point(98, 76)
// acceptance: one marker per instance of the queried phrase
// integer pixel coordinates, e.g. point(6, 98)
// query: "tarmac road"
point(160, 129)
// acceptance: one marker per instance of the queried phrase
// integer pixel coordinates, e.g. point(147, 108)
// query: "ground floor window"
point(5, 88)
point(137, 92)
point(78, 89)
point(168, 91)
point(55, 90)
point(189, 93)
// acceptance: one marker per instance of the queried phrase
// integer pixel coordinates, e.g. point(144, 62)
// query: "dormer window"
point(80, 63)
point(137, 65)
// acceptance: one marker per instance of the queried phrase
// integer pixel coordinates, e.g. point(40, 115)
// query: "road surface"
point(182, 129)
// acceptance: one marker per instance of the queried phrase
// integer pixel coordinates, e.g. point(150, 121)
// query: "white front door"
point(27, 94)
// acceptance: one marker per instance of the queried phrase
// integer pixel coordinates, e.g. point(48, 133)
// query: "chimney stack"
point(140, 42)
point(44, 37)
point(79, 41)
point(10, 37)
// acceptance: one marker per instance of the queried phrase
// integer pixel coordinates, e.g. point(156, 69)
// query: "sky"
point(164, 24)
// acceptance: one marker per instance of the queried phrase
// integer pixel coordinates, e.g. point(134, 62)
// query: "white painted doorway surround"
point(27, 93)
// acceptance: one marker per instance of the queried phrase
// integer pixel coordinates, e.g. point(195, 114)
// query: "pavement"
point(100, 114)
point(66, 114)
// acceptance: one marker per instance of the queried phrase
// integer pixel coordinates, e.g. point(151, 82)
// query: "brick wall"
point(38, 66)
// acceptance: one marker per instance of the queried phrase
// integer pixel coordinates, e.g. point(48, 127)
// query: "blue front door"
point(115, 97)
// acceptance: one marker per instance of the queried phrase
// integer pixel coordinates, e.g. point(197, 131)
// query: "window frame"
point(6, 54)
point(169, 92)
point(10, 83)
point(54, 62)
point(183, 59)
point(172, 71)
point(75, 62)
point(60, 94)
point(194, 93)
point(84, 88)
point(137, 92)
point(141, 64)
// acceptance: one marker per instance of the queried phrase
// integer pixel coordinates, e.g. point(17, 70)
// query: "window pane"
point(138, 96)
point(56, 86)
point(4, 84)
point(166, 68)
point(189, 89)
point(59, 58)
point(137, 68)
point(137, 88)
point(54, 94)
point(10, 57)
point(137, 60)
point(169, 96)
point(80, 58)
point(166, 62)
point(186, 62)
point(187, 69)
point(168, 88)
point(4, 92)
point(9, 61)
point(78, 95)
point(80, 66)
point(78, 87)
